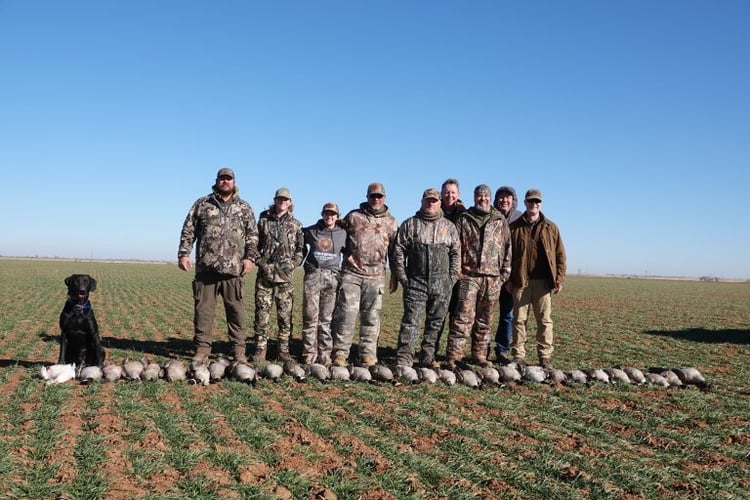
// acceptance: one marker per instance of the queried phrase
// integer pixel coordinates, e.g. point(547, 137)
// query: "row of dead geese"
point(207, 372)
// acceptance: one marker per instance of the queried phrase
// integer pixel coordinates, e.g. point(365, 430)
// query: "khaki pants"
point(537, 295)
point(206, 288)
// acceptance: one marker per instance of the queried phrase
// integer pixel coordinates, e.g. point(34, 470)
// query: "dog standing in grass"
point(79, 332)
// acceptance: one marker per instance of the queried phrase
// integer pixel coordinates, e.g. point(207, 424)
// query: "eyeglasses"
point(534, 201)
point(375, 195)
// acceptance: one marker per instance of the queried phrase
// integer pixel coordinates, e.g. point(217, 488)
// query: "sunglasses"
point(375, 195)
point(225, 178)
point(534, 201)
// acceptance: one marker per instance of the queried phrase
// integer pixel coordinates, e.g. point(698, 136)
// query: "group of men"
point(454, 264)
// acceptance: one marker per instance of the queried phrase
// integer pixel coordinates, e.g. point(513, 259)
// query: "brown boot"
point(239, 354)
point(202, 353)
point(259, 355)
point(284, 356)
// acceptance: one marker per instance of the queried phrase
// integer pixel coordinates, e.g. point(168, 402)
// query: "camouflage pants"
point(537, 295)
point(265, 295)
point(363, 296)
point(423, 301)
point(206, 288)
point(477, 299)
point(318, 301)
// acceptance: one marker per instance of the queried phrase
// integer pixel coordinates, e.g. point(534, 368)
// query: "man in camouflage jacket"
point(425, 262)
point(485, 266)
point(281, 245)
point(227, 239)
point(371, 235)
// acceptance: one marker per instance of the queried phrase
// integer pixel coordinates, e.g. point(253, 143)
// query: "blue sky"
point(633, 118)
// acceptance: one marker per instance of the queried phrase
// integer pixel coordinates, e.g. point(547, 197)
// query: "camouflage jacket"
point(427, 249)
point(485, 248)
point(281, 245)
point(369, 242)
point(226, 234)
point(554, 250)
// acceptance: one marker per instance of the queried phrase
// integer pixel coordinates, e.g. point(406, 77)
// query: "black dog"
point(79, 333)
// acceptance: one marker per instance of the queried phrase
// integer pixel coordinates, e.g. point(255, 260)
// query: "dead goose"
point(634, 374)
point(111, 372)
point(151, 371)
point(319, 372)
point(427, 375)
point(447, 377)
point(656, 379)
point(272, 372)
point(217, 368)
point(90, 374)
point(534, 373)
point(555, 376)
point(199, 374)
point(489, 375)
point(131, 369)
point(468, 378)
point(575, 377)
point(174, 370)
point(691, 376)
point(616, 375)
point(360, 374)
point(407, 374)
point(294, 370)
point(381, 373)
point(672, 378)
point(597, 375)
point(243, 372)
point(510, 373)
point(341, 373)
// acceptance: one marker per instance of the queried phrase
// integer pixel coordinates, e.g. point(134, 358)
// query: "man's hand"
point(184, 263)
point(247, 266)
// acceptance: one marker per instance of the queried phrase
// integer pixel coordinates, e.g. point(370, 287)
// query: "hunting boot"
point(259, 355)
point(239, 354)
point(201, 353)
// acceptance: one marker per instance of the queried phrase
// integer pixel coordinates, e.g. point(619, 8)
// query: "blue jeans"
point(504, 323)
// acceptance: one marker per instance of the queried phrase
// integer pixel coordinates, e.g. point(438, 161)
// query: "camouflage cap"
point(533, 194)
point(225, 171)
point(283, 192)
point(330, 207)
point(504, 190)
point(431, 193)
point(375, 188)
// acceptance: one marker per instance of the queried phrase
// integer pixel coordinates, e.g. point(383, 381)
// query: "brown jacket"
point(554, 250)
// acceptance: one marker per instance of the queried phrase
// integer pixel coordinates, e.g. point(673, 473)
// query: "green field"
point(313, 440)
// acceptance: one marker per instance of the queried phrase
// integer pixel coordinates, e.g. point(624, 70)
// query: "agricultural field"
point(354, 440)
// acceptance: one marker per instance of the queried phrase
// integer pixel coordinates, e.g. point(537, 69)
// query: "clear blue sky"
point(632, 117)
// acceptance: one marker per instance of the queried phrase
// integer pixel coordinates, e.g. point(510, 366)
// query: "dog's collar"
point(85, 307)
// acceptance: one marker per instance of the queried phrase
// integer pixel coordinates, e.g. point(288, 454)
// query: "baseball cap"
point(375, 188)
point(330, 207)
point(533, 194)
point(225, 171)
point(283, 192)
point(431, 193)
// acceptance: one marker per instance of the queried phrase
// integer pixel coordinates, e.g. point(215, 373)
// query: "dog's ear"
point(93, 284)
point(68, 279)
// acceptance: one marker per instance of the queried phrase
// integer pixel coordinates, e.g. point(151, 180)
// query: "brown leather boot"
point(202, 353)
point(239, 354)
